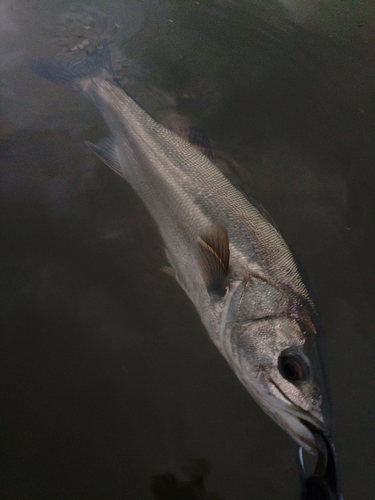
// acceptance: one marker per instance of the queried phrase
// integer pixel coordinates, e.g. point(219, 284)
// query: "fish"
point(226, 254)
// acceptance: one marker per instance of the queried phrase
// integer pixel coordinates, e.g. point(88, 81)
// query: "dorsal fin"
point(213, 258)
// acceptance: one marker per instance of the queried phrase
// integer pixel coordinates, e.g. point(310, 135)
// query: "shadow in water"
point(168, 487)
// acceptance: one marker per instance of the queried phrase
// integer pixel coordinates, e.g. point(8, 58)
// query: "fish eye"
point(292, 367)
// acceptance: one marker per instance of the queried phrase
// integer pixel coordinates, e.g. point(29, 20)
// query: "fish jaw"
point(300, 425)
point(299, 430)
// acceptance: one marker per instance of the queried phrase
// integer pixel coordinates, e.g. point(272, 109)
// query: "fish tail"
point(71, 75)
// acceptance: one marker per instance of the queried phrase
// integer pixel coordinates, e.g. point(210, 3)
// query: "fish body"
point(231, 261)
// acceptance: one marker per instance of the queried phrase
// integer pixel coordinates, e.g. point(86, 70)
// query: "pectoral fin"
point(213, 258)
point(106, 150)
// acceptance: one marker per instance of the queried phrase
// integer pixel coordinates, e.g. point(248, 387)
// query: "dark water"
point(108, 377)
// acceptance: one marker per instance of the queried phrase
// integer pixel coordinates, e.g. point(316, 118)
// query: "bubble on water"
point(80, 30)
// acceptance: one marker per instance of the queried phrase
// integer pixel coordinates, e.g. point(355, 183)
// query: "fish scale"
point(192, 176)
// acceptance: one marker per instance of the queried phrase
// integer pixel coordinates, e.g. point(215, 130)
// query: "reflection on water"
point(108, 376)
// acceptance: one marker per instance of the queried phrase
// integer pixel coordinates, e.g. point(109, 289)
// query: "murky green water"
point(108, 377)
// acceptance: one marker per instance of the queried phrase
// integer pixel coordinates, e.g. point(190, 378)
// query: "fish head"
point(278, 360)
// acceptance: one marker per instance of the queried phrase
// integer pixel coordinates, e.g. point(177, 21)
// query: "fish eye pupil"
point(291, 368)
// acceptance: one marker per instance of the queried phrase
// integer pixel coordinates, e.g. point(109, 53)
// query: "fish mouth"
point(301, 425)
point(309, 439)
point(302, 429)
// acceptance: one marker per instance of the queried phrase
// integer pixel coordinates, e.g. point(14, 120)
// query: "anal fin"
point(213, 258)
point(169, 270)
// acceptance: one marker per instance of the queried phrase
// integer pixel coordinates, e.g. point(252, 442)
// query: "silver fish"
point(228, 257)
